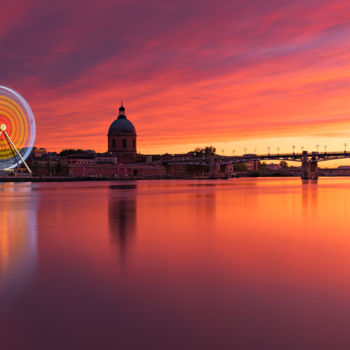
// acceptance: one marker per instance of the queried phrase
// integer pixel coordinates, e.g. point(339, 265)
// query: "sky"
point(238, 75)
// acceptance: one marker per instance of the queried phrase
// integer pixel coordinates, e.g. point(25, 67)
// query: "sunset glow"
point(233, 74)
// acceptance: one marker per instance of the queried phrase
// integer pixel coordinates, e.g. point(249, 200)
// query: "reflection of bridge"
point(309, 161)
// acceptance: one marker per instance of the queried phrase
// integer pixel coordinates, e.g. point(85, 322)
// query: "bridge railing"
point(288, 155)
point(297, 157)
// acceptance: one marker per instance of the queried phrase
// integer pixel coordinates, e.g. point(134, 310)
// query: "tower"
point(122, 138)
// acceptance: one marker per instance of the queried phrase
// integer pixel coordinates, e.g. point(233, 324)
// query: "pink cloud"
point(188, 71)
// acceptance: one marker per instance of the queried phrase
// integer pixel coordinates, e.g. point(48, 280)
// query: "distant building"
point(252, 165)
point(79, 158)
point(52, 155)
point(121, 160)
point(39, 152)
point(122, 138)
point(273, 167)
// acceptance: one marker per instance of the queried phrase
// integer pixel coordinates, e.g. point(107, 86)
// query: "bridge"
point(309, 161)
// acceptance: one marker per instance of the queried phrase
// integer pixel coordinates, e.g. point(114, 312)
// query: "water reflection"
point(206, 207)
point(309, 193)
point(245, 264)
point(122, 217)
point(18, 237)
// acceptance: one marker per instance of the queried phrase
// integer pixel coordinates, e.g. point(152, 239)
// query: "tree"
point(209, 150)
point(262, 166)
point(283, 164)
point(206, 151)
point(67, 152)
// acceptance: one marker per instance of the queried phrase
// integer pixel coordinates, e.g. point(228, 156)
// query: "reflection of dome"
point(121, 125)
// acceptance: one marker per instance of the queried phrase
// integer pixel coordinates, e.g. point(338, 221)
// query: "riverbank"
point(128, 178)
point(62, 179)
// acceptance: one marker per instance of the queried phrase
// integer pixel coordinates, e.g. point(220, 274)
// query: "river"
point(175, 264)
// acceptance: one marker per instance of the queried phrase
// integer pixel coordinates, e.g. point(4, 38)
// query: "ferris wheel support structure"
point(13, 147)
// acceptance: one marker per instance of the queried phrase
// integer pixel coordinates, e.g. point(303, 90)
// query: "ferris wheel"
point(17, 129)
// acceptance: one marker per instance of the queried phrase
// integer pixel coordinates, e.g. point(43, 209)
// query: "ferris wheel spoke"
point(12, 151)
point(15, 149)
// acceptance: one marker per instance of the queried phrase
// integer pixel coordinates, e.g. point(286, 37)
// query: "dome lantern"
point(121, 111)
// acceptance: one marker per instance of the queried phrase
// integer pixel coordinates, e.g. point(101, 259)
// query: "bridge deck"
point(293, 157)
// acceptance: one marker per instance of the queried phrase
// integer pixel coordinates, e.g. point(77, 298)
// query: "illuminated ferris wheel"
point(17, 129)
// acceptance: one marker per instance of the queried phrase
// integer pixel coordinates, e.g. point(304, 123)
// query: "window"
point(113, 143)
point(134, 143)
point(124, 143)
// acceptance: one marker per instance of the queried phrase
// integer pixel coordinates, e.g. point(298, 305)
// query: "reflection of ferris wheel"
point(17, 129)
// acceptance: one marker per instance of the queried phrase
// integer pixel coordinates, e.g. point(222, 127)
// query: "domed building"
point(122, 138)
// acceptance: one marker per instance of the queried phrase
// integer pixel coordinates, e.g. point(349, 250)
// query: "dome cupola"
point(121, 111)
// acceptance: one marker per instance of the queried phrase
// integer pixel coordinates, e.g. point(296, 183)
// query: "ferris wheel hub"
point(3, 127)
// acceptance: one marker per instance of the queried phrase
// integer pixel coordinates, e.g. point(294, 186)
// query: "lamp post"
point(325, 148)
point(255, 150)
point(293, 149)
point(302, 148)
point(317, 146)
point(233, 152)
point(245, 150)
point(278, 150)
point(268, 150)
point(345, 145)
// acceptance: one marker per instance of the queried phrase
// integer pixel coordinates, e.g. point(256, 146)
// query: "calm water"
point(238, 264)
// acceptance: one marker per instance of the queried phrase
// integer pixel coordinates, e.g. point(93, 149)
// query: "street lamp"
point(268, 150)
point(317, 146)
point(233, 152)
point(278, 150)
point(245, 150)
point(325, 148)
point(302, 148)
point(345, 145)
point(293, 149)
point(255, 150)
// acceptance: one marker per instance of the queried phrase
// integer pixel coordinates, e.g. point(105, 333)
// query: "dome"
point(121, 125)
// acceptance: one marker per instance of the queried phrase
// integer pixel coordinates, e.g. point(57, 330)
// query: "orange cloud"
point(189, 73)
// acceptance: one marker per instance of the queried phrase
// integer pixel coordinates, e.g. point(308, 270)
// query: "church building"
point(122, 138)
